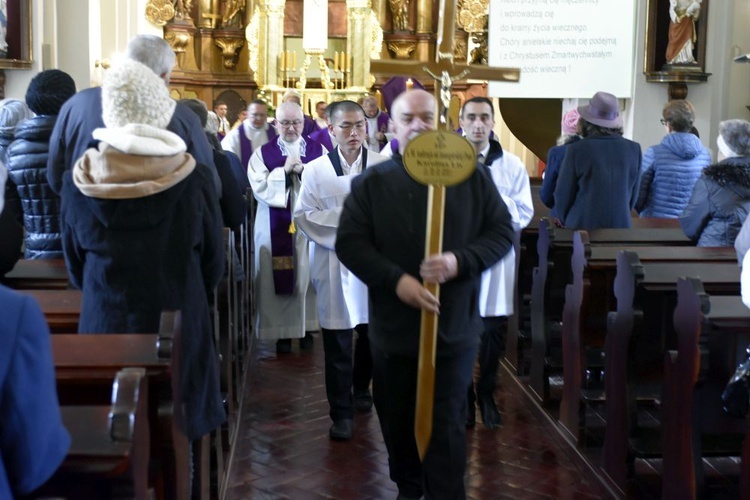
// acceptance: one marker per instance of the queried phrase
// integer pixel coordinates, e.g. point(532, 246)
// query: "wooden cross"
point(444, 71)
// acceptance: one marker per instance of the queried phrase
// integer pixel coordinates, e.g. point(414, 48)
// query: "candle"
point(288, 60)
point(335, 61)
point(379, 97)
point(409, 84)
point(348, 62)
point(294, 61)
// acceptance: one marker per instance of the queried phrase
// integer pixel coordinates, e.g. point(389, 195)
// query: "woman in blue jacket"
point(670, 169)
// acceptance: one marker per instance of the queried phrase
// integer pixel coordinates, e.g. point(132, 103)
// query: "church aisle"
point(283, 450)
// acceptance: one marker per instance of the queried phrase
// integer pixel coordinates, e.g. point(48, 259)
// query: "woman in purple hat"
point(598, 182)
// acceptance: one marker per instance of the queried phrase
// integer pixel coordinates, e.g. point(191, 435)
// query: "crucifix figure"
point(441, 70)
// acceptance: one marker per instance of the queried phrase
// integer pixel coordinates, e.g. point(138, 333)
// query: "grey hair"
point(680, 114)
point(153, 52)
point(736, 134)
point(212, 123)
point(289, 107)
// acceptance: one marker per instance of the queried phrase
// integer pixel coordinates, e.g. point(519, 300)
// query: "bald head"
point(413, 113)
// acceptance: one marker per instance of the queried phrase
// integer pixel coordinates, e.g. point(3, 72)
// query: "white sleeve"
point(269, 187)
point(311, 216)
point(231, 142)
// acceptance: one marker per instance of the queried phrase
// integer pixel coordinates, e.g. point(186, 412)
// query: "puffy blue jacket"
point(668, 174)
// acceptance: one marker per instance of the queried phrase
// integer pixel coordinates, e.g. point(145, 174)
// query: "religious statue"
point(232, 16)
point(182, 9)
point(400, 14)
point(682, 34)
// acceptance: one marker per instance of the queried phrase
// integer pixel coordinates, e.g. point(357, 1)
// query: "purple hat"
point(602, 110)
point(570, 122)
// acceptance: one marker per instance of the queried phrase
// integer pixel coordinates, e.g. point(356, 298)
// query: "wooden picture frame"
point(658, 25)
point(18, 35)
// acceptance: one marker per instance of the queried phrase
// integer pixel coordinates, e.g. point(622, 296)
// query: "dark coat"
point(133, 258)
point(555, 157)
point(668, 174)
point(381, 236)
point(82, 113)
point(719, 204)
point(232, 203)
point(27, 167)
point(598, 182)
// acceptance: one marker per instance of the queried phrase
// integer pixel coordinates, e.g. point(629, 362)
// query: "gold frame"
point(22, 19)
point(657, 32)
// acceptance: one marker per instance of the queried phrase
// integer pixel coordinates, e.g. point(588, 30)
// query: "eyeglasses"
point(663, 121)
point(348, 127)
point(287, 124)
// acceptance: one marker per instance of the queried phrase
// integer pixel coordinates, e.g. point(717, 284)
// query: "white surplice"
point(498, 282)
point(278, 316)
point(342, 298)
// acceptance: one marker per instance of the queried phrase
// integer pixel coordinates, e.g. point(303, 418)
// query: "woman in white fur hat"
point(142, 233)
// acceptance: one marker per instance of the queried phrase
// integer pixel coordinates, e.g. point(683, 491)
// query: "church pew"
point(48, 274)
point(588, 299)
point(553, 274)
point(85, 365)
point(61, 308)
point(110, 444)
point(638, 335)
point(712, 335)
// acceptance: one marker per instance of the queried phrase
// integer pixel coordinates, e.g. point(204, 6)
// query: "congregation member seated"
point(598, 182)
point(27, 164)
point(671, 168)
point(555, 157)
point(720, 200)
point(142, 234)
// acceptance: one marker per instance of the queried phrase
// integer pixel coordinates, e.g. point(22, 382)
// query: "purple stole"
point(382, 122)
point(246, 147)
point(282, 231)
point(323, 137)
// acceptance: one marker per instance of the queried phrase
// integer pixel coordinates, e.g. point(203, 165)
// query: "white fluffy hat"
point(132, 93)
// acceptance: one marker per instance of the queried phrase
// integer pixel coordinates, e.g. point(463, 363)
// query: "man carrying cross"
point(381, 240)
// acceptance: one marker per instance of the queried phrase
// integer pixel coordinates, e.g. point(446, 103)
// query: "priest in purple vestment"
point(286, 308)
point(254, 132)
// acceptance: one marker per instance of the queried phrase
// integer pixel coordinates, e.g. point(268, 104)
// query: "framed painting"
point(676, 32)
point(15, 34)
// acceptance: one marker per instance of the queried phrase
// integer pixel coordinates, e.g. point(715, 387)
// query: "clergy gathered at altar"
point(348, 249)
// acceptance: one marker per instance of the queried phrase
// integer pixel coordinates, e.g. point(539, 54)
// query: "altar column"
point(270, 43)
point(358, 44)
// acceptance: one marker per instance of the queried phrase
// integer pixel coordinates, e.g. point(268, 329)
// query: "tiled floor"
point(283, 450)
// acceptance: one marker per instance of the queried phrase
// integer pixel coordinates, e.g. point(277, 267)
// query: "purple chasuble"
point(282, 233)
point(323, 137)
point(246, 147)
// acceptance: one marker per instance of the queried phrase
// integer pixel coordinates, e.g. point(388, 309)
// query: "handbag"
point(736, 396)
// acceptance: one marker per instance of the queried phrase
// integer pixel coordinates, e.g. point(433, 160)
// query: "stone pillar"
point(271, 43)
point(358, 44)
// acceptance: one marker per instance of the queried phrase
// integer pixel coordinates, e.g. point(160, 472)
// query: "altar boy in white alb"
point(498, 282)
point(342, 298)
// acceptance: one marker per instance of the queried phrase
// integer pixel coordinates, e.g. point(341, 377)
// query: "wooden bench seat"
point(638, 336)
point(48, 274)
point(61, 308)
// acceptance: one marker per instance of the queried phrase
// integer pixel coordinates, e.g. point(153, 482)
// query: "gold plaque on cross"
point(440, 158)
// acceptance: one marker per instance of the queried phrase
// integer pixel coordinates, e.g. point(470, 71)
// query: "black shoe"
point(490, 415)
point(306, 342)
point(283, 346)
point(363, 400)
point(341, 430)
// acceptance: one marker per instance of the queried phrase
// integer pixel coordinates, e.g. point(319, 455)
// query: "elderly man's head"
point(289, 121)
point(413, 112)
point(153, 52)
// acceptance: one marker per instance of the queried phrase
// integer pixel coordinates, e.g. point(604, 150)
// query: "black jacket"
point(719, 204)
point(27, 165)
point(381, 236)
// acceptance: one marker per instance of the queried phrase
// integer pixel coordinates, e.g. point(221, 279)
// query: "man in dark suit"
point(381, 240)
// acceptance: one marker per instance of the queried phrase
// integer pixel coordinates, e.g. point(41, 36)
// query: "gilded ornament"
point(182, 9)
point(178, 40)
point(252, 35)
point(402, 50)
point(159, 12)
point(472, 15)
point(229, 48)
point(376, 36)
point(399, 14)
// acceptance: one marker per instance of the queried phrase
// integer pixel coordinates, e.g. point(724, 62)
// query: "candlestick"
point(294, 61)
point(335, 61)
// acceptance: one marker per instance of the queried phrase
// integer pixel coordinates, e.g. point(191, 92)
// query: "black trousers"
point(491, 348)
point(346, 365)
point(394, 384)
